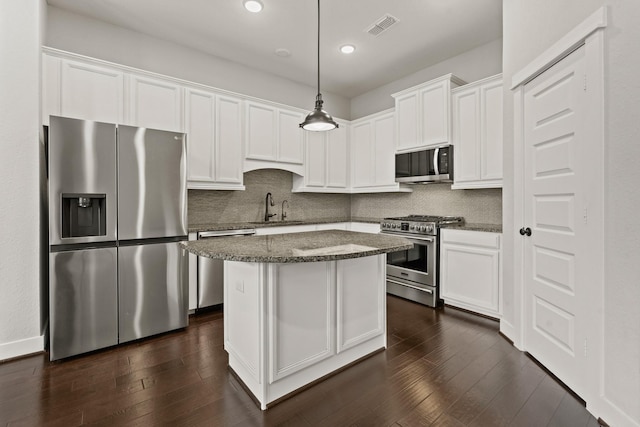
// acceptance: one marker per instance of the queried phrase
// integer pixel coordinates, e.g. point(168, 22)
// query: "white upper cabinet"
point(373, 153)
point(423, 114)
point(273, 134)
point(477, 134)
point(154, 103)
point(80, 90)
point(290, 136)
point(326, 164)
point(214, 136)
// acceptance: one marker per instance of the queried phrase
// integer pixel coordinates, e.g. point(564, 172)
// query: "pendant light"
point(318, 119)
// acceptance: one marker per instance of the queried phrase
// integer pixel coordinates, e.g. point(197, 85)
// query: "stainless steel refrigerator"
point(117, 212)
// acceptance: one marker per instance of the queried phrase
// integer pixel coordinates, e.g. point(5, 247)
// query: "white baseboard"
point(610, 413)
point(23, 347)
point(509, 331)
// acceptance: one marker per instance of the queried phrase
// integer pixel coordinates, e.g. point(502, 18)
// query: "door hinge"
point(584, 81)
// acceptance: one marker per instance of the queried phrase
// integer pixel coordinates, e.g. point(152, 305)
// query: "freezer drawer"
point(153, 291)
point(83, 301)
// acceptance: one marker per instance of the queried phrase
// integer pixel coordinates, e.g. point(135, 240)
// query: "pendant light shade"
point(318, 119)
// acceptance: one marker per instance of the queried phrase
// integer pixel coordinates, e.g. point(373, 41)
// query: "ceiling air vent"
point(381, 25)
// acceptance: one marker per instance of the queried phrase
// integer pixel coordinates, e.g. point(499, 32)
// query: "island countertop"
point(312, 246)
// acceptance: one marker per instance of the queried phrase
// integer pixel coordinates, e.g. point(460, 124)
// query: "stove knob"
point(412, 227)
point(386, 225)
point(423, 228)
point(394, 225)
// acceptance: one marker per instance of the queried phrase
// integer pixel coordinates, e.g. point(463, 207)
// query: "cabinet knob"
point(525, 231)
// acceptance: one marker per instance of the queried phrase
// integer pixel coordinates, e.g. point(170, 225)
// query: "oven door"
point(412, 273)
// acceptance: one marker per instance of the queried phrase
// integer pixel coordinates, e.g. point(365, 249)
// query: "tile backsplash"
point(476, 206)
point(246, 206)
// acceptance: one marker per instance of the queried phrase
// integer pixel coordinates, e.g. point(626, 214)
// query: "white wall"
point(20, 30)
point(476, 64)
point(86, 36)
point(530, 28)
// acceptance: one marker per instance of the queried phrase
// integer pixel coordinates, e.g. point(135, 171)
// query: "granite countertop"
point(195, 228)
point(490, 228)
point(312, 246)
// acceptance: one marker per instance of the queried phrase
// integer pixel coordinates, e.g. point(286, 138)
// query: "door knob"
point(525, 231)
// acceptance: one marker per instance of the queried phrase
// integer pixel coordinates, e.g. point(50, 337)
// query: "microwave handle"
point(435, 161)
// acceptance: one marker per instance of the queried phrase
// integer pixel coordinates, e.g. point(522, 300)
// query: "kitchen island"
point(300, 306)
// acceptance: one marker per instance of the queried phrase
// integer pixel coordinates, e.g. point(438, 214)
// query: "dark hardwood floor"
point(442, 367)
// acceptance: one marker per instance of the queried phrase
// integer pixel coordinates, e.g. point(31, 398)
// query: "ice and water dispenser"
point(84, 215)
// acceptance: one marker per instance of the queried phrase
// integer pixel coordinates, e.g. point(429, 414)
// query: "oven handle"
point(429, 291)
point(422, 239)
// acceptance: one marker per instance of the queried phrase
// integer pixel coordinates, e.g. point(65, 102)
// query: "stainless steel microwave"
point(425, 166)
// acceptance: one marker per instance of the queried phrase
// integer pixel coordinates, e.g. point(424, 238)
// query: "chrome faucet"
point(268, 202)
point(283, 214)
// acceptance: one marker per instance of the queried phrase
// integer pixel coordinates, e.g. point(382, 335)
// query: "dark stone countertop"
point(312, 246)
point(489, 228)
point(194, 228)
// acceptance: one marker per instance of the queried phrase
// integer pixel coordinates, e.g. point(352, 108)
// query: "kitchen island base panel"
point(289, 325)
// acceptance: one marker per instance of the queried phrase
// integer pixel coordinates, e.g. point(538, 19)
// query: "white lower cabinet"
point(365, 227)
point(284, 229)
point(470, 271)
point(287, 325)
point(352, 226)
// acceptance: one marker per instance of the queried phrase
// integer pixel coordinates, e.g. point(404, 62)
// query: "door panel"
point(82, 161)
point(152, 289)
point(83, 305)
point(152, 176)
point(556, 296)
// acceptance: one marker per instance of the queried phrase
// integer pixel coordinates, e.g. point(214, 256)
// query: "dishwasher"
point(211, 271)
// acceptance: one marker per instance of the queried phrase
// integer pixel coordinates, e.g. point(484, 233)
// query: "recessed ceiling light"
point(347, 48)
point(254, 6)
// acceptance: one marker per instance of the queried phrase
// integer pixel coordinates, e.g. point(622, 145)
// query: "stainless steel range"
point(413, 274)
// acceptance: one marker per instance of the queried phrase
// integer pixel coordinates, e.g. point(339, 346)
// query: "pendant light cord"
point(318, 47)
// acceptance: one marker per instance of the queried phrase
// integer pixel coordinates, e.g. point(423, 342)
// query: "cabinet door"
point(384, 173)
point(261, 132)
point(360, 300)
point(228, 163)
point(470, 270)
point(491, 95)
point(338, 157)
point(466, 135)
point(434, 115)
point(290, 137)
point(316, 159)
point(200, 119)
point(407, 121)
point(362, 155)
point(155, 103)
point(90, 92)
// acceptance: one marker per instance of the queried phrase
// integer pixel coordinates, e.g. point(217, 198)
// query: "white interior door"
point(557, 253)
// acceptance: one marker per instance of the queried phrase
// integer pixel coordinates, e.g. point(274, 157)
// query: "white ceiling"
point(428, 32)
